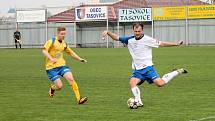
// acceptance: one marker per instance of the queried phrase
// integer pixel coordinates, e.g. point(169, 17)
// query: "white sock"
point(169, 76)
point(136, 93)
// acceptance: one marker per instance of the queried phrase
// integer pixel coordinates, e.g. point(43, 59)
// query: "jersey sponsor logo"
point(58, 55)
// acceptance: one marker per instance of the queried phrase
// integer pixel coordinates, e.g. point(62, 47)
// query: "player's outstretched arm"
point(112, 35)
point(75, 56)
point(169, 44)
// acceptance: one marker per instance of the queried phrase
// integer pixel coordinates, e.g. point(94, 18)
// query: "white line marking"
point(202, 119)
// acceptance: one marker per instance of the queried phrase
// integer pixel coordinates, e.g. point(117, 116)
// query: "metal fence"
point(200, 31)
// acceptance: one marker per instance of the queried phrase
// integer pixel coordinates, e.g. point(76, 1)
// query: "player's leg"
point(135, 90)
point(56, 82)
point(169, 76)
point(159, 82)
point(69, 77)
point(56, 85)
point(16, 43)
point(20, 45)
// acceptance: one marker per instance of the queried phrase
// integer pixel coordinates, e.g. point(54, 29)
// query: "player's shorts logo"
point(80, 13)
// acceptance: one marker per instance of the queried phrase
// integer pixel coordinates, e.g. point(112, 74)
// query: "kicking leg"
point(168, 77)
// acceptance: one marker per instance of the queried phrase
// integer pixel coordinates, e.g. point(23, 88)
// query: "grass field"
point(105, 80)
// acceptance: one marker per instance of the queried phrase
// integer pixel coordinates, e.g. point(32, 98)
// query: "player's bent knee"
point(160, 85)
point(59, 86)
point(133, 82)
point(159, 82)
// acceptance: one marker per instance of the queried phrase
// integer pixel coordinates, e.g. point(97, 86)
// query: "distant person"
point(56, 65)
point(17, 38)
point(140, 48)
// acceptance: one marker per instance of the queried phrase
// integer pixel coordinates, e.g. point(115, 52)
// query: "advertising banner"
point(91, 13)
point(136, 14)
point(30, 15)
point(169, 13)
point(203, 11)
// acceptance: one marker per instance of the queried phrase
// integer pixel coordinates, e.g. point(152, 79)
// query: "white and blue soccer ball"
point(131, 103)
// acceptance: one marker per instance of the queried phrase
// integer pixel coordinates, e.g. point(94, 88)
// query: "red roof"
point(69, 15)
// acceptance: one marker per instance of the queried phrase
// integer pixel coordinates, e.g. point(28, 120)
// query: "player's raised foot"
point(51, 92)
point(82, 100)
point(182, 71)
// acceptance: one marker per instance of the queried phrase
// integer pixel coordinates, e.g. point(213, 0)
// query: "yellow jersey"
point(56, 49)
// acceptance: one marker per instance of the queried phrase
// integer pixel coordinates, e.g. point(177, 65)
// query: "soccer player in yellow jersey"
point(56, 65)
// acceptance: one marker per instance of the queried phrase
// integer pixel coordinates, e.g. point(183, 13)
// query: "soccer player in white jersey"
point(140, 47)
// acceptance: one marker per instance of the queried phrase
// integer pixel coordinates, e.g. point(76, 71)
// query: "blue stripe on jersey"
point(125, 39)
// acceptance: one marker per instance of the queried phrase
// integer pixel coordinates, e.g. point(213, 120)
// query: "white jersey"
point(140, 50)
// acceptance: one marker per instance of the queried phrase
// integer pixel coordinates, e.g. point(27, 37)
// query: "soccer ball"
point(131, 103)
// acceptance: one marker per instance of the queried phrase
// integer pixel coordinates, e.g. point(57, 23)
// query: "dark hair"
point(59, 29)
point(136, 25)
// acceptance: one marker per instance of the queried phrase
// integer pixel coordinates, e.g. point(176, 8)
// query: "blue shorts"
point(54, 73)
point(149, 74)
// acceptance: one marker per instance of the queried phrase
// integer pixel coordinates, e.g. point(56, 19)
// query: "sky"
point(5, 5)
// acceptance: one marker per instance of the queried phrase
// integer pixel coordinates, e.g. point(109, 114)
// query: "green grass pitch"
point(105, 81)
